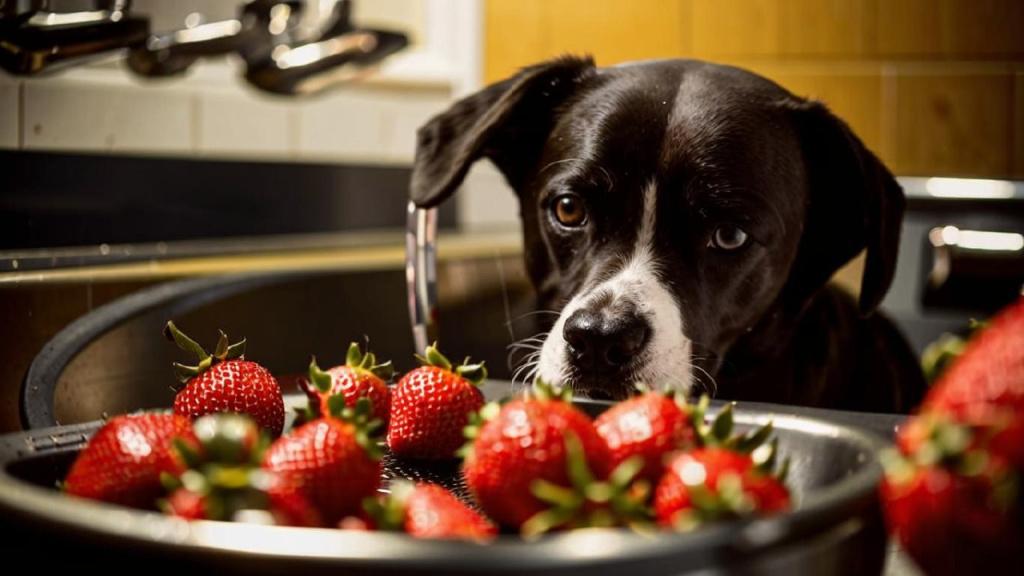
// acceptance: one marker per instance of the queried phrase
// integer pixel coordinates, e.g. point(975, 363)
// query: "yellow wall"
point(933, 86)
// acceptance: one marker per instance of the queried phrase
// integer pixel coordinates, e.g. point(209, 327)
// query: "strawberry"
point(333, 460)
point(650, 426)
point(359, 377)
point(124, 460)
point(989, 375)
point(726, 477)
point(428, 511)
point(186, 504)
point(709, 484)
point(431, 405)
point(950, 518)
point(984, 387)
point(951, 493)
point(226, 382)
point(224, 480)
point(532, 465)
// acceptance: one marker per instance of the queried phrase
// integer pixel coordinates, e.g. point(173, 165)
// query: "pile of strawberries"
point(532, 464)
point(952, 491)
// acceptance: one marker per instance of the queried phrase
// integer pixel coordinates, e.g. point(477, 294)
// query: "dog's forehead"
point(659, 117)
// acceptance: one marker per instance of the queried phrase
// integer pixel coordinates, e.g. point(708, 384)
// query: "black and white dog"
point(685, 218)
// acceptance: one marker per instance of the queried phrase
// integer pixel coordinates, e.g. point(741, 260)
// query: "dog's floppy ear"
point(507, 122)
point(854, 203)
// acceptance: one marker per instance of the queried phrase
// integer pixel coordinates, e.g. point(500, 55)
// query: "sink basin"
point(114, 359)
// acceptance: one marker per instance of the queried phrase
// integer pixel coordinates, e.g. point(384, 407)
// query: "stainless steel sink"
point(114, 359)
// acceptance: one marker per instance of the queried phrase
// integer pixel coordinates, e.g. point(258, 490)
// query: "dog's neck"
point(769, 362)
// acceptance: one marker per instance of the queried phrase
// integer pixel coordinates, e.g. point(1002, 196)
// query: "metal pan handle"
point(421, 273)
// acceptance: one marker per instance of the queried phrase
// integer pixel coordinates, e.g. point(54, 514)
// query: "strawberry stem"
point(222, 352)
point(475, 374)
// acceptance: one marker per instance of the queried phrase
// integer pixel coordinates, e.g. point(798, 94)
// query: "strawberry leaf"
point(433, 357)
point(721, 426)
point(354, 357)
point(320, 379)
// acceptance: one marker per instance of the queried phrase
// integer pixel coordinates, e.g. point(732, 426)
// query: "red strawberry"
point(287, 501)
point(984, 387)
point(650, 426)
point(951, 493)
point(990, 372)
point(225, 382)
point(951, 522)
point(186, 504)
point(727, 476)
point(333, 459)
point(530, 461)
point(428, 511)
point(125, 459)
point(359, 377)
point(431, 405)
point(709, 484)
point(224, 480)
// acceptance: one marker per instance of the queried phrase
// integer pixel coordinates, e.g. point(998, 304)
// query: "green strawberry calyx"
point(588, 502)
point(958, 448)
point(360, 417)
point(388, 512)
point(224, 469)
point(543, 390)
point(355, 359)
point(222, 353)
point(477, 420)
point(728, 500)
point(758, 443)
point(475, 374)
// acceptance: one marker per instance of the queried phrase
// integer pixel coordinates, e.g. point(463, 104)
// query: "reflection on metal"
point(976, 239)
point(962, 188)
point(35, 39)
point(421, 273)
point(968, 188)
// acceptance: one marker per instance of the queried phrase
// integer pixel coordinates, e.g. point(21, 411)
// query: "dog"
point(685, 219)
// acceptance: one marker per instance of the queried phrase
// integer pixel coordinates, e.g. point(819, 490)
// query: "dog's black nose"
point(599, 340)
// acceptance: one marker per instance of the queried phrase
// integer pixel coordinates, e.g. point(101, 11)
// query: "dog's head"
point(670, 208)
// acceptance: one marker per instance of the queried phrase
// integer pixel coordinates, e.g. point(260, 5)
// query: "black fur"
point(723, 146)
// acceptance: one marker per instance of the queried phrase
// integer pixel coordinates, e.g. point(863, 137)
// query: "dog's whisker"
point(525, 363)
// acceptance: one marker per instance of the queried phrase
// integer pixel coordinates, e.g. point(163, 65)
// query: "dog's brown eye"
point(728, 237)
point(569, 210)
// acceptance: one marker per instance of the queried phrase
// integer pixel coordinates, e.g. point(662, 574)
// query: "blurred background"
point(150, 141)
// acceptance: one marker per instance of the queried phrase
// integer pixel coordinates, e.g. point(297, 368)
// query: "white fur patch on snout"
point(665, 361)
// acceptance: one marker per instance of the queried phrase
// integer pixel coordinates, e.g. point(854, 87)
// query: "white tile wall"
point(8, 112)
point(347, 123)
point(367, 122)
point(232, 125)
point(71, 113)
point(93, 111)
point(485, 202)
point(404, 115)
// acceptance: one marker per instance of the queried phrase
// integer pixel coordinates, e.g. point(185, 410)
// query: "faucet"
point(280, 55)
point(36, 38)
point(306, 63)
